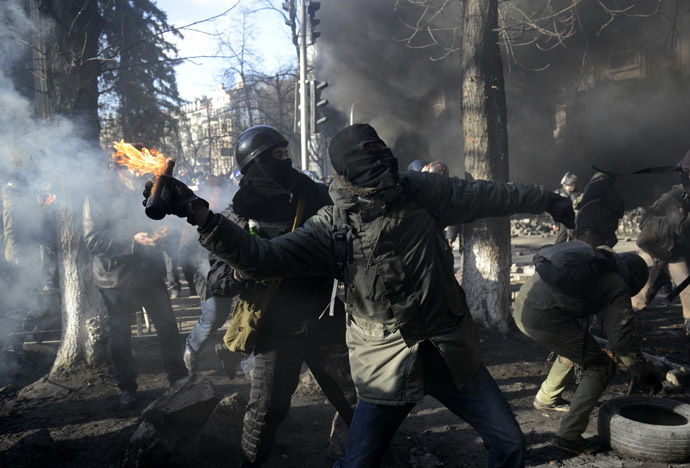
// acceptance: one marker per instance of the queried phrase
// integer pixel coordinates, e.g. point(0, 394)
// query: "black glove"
point(650, 385)
point(561, 210)
point(686, 326)
point(176, 197)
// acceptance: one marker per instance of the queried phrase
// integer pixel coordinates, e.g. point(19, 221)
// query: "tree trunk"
point(83, 318)
point(486, 263)
point(72, 83)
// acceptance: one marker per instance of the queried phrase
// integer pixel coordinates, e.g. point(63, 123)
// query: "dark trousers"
point(479, 402)
point(173, 275)
point(122, 304)
point(277, 365)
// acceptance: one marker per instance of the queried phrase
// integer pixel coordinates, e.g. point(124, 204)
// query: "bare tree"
point(474, 34)
point(243, 64)
point(72, 85)
point(262, 97)
point(486, 263)
point(276, 101)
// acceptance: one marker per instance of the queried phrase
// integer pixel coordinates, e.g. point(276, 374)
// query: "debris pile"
point(629, 224)
point(534, 226)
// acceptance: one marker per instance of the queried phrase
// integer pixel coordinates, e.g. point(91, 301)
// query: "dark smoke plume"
point(619, 124)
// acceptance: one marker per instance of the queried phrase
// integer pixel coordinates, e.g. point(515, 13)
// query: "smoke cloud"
point(375, 77)
point(46, 171)
point(621, 124)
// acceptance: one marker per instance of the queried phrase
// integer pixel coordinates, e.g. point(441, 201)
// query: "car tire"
point(655, 429)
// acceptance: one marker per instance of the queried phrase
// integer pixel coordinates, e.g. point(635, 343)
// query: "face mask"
point(271, 175)
point(371, 169)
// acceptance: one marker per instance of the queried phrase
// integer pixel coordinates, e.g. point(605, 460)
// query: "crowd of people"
point(356, 279)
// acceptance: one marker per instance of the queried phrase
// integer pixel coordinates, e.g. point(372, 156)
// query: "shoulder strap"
point(342, 242)
point(275, 282)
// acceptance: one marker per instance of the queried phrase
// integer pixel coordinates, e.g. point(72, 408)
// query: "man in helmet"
point(417, 165)
point(272, 195)
point(568, 189)
point(557, 319)
point(436, 167)
point(409, 330)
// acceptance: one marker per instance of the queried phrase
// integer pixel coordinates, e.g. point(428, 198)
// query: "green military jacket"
point(399, 285)
point(543, 308)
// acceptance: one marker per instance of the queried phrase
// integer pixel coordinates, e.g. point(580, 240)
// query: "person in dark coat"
point(129, 271)
point(598, 211)
point(557, 319)
point(409, 329)
point(567, 189)
point(294, 328)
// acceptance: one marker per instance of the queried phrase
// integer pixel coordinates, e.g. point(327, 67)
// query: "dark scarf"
point(259, 199)
point(270, 176)
point(368, 169)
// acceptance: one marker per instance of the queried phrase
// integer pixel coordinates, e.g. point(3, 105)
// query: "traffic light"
point(317, 104)
point(292, 12)
point(313, 22)
point(290, 7)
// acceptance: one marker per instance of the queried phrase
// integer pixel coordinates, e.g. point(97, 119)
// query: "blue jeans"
point(479, 402)
point(121, 304)
point(214, 313)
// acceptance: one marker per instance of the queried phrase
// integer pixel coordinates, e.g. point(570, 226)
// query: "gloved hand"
point(650, 385)
point(686, 326)
point(177, 197)
point(561, 210)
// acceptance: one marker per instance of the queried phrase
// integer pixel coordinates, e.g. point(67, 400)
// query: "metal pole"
point(352, 111)
point(302, 40)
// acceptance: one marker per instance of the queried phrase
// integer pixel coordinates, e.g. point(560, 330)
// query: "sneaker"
point(576, 447)
point(174, 294)
point(228, 360)
point(128, 399)
point(561, 405)
point(191, 360)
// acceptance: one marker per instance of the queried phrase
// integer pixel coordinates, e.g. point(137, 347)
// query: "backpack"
point(664, 228)
point(572, 267)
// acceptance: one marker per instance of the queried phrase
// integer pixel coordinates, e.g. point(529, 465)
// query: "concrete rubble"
point(171, 420)
point(543, 225)
point(223, 428)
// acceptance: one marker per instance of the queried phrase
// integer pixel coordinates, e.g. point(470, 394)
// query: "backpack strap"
point(342, 241)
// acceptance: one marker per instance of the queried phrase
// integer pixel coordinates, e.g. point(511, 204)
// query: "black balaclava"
point(372, 169)
point(266, 189)
point(270, 176)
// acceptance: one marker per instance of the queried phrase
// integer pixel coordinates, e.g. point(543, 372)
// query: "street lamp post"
point(352, 111)
point(304, 158)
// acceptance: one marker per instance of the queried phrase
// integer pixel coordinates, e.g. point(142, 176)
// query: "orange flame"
point(139, 162)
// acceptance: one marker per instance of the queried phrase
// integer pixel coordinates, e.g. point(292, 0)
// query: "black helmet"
point(417, 165)
point(569, 179)
point(254, 141)
point(638, 271)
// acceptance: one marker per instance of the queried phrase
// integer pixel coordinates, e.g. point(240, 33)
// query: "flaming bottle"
point(144, 161)
point(156, 203)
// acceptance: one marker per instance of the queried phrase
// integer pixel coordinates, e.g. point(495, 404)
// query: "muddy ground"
point(76, 422)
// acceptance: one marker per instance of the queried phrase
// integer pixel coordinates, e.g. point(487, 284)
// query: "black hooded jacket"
point(298, 299)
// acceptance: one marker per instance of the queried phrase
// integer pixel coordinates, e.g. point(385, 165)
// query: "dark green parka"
point(400, 286)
